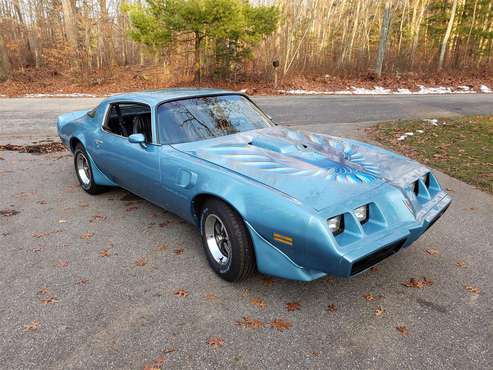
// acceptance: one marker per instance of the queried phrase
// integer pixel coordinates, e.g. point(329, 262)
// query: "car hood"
point(317, 170)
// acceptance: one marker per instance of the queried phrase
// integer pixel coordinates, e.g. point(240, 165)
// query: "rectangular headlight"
point(362, 213)
point(335, 224)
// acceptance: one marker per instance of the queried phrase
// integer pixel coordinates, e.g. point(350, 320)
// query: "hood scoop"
point(275, 144)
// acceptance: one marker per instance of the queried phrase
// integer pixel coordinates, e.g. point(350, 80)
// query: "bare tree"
point(4, 61)
point(446, 37)
point(384, 32)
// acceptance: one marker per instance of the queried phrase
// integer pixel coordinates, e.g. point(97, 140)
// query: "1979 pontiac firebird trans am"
point(289, 203)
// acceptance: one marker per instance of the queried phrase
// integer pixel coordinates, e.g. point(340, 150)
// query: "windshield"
point(207, 117)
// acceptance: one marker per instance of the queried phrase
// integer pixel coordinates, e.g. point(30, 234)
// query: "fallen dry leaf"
point(374, 269)
point(156, 364)
point(83, 281)
point(248, 322)
point(472, 289)
point(62, 263)
point(8, 212)
point(267, 281)
point(87, 235)
point(96, 218)
point(293, 306)
point(211, 297)
point(34, 325)
point(432, 252)
point(45, 233)
point(181, 293)
point(162, 247)
point(369, 297)
point(37, 249)
point(104, 253)
point(140, 262)
point(259, 302)
point(280, 325)
point(215, 342)
point(460, 264)
point(42, 202)
point(403, 330)
point(49, 300)
point(379, 311)
point(43, 291)
point(332, 307)
point(130, 209)
point(416, 283)
point(179, 252)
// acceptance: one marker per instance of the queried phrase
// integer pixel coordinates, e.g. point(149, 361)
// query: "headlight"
point(335, 224)
point(362, 213)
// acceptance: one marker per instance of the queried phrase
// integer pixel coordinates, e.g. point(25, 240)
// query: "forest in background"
point(173, 42)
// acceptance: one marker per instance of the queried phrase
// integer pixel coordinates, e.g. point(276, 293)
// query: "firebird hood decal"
point(316, 169)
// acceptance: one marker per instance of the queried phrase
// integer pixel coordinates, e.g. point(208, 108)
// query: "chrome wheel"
point(83, 170)
point(217, 240)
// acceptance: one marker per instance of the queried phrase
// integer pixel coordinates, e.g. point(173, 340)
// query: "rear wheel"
point(84, 172)
point(226, 241)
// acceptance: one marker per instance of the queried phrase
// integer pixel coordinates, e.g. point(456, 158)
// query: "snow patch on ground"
point(485, 89)
point(61, 95)
point(378, 90)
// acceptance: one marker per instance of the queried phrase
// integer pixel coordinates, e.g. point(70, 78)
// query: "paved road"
point(29, 119)
point(120, 311)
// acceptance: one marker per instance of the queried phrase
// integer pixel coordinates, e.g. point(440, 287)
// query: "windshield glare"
point(207, 117)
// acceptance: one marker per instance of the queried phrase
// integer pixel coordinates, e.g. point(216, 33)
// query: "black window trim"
point(107, 115)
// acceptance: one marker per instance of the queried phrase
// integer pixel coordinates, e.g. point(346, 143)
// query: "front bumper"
point(364, 254)
point(381, 247)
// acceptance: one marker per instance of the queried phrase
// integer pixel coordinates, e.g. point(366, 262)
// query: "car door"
point(132, 166)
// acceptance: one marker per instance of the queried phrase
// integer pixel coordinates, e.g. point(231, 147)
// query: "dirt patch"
point(35, 148)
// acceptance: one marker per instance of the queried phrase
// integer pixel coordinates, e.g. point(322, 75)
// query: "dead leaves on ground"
point(293, 306)
point(249, 323)
point(62, 263)
point(97, 218)
point(379, 311)
point(472, 289)
point(460, 264)
point(104, 253)
point(182, 293)
point(280, 325)
point(8, 212)
point(34, 325)
point(432, 252)
point(403, 330)
point(331, 307)
point(179, 252)
point(259, 303)
point(416, 283)
point(141, 262)
point(215, 342)
point(87, 236)
point(156, 364)
point(45, 233)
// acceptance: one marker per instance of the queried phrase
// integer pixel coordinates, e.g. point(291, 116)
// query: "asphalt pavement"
point(113, 282)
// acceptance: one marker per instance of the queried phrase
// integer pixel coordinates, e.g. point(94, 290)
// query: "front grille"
point(377, 256)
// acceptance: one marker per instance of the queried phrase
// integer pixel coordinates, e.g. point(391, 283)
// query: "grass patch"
point(461, 147)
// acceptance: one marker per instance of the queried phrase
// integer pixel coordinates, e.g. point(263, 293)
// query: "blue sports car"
point(288, 203)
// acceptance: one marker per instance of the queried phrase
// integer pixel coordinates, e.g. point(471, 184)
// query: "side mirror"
point(137, 139)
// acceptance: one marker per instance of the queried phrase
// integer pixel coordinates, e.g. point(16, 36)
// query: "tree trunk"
point(384, 32)
point(197, 61)
point(4, 62)
point(71, 28)
point(447, 36)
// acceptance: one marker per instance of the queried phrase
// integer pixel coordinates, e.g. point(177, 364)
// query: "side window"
point(125, 119)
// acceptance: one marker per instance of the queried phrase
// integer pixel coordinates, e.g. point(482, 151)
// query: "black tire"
point(88, 185)
point(241, 262)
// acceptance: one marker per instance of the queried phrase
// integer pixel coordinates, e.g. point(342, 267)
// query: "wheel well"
point(199, 201)
point(73, 143)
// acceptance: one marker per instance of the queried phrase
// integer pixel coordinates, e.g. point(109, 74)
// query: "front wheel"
point(84, 172)
point(226, 241)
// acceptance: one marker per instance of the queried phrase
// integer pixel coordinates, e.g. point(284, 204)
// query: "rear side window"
point(125, 119)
